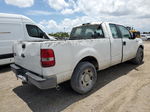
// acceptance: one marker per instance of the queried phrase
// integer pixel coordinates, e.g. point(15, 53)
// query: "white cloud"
point(127, 12)
point(113, 7)
point(57, 4)
point(103, 7)
point(64, 7)
point(20, 3)
point(65, 25)
point(67, 11)
point(141, 24)
point(39, 12)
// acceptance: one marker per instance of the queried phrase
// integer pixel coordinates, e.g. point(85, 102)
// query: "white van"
point(16, 28)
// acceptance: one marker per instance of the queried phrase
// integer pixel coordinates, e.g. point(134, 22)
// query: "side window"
point(43, 34)
point(114, 31)
point(124, 32)
point(32, 30)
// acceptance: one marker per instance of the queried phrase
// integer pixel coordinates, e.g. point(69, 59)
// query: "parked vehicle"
point(145, 36)
point(13, 28)
point(92, 47)
point(148, 36)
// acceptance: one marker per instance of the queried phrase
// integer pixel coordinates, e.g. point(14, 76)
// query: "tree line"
point(60, 35)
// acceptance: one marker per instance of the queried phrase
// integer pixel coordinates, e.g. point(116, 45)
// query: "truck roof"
point(15, 16)
point(96, 23)
point(91, 23)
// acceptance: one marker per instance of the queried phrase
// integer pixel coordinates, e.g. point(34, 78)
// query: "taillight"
point(47, 58)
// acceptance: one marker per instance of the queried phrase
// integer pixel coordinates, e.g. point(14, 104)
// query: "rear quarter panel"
point(68, 54)
point(63, 58)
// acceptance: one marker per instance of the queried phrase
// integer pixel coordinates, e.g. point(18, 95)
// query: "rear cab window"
point(87, 32)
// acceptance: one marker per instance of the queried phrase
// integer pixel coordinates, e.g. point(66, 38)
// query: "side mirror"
point(133, 36)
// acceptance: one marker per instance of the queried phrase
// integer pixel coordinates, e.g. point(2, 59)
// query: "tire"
point(84, 78)
point(139, 57)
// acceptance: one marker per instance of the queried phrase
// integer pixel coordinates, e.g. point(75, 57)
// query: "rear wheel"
point(139, 57)
point(84, 77)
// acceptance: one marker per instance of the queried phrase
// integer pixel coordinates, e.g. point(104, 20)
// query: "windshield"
point(87, 32)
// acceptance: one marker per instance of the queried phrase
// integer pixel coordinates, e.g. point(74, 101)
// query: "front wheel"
point(84, 78)
point(139, 57)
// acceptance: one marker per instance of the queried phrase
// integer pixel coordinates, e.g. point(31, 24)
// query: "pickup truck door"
point(116, 45)
point(129, 45)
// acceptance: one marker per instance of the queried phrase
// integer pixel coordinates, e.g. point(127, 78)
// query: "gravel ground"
point(121, 88)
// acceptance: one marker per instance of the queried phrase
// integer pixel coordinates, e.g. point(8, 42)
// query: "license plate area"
point(20, 73)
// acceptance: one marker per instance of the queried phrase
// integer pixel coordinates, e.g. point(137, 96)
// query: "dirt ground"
point(122, 88)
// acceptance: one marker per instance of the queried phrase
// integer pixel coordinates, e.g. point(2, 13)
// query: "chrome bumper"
point(35, 79)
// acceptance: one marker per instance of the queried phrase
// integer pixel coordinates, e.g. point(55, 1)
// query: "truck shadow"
point(54, 101)
point(4, 68)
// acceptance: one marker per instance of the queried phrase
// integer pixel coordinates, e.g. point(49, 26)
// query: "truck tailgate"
point(27, 55)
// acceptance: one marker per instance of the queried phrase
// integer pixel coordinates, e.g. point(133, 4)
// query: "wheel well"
point(91, 60)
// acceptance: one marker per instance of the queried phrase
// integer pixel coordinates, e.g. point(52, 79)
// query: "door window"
point(34, 31)
point(124, 32)
point(114, 31)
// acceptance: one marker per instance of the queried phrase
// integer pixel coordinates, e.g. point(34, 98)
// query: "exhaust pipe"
point(22, 78)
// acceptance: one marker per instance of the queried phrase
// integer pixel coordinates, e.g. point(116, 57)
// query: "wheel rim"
point(87, 78)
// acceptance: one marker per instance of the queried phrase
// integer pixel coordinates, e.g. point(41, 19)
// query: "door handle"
point(124, 43)
point(22, 55)
point(23, 46)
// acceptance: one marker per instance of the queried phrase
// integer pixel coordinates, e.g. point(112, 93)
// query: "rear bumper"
point(29, 77)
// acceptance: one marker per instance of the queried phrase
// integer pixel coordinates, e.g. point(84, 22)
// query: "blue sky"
point(60, 15)
point(39, 5)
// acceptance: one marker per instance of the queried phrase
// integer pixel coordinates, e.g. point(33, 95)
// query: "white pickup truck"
point(91, 47)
